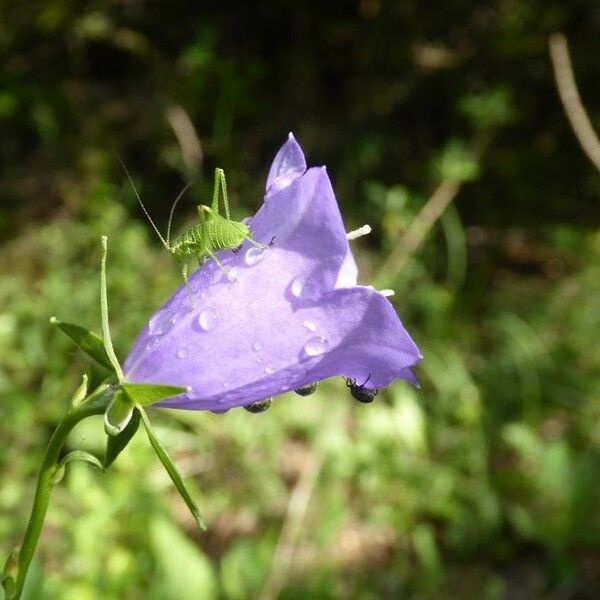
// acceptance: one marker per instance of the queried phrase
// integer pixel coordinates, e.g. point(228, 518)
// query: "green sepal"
point(146, 394)
point(90, 342)
point(80, 455)
point(172, 470)
point(116, 444)
point(118, 414)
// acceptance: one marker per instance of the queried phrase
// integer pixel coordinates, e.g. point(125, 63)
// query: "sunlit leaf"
point(146, 394)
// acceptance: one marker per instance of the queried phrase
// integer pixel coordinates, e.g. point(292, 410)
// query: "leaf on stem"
point(90, 342)
point(171, 470)
point(80, 455)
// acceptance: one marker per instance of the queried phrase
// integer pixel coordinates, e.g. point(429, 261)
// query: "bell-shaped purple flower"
point(294, 314)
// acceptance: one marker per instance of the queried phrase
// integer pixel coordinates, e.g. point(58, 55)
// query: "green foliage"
point(485, 482)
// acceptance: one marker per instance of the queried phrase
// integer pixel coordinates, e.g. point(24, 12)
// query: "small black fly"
point(360, 392)
point(259, 407)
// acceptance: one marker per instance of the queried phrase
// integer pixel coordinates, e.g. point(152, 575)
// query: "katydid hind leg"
point(220, 187)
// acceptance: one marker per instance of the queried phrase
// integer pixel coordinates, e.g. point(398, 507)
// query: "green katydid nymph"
point(214, 232)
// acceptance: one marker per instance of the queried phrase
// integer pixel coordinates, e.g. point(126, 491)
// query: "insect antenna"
point(183, 191)
point(142, 204)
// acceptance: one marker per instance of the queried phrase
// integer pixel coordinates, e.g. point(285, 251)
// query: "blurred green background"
point(484, 483)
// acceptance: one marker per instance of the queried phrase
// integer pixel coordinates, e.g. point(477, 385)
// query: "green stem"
point(95, 405)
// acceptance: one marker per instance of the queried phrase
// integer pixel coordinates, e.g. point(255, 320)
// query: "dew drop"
point(257, 346)
point(310, 325)
point(161, 322)
point(304, 288)
point(315, 346)
point(269, 370)
point(254, 255)
point(297, 287)
point(181, 353)
point(207, 319)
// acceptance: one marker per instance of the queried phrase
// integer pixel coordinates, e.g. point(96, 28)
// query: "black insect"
point(259, 407)
point(307, 390)
point(360, 392)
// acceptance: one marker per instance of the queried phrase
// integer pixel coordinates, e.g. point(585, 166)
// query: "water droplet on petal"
point(257, 346)
point(269, 370)
point(315, 346)
point(207, 319)
point(307, 289)
point(254, 255)
point(310, 325)
point(161, 322)
point(181, 353)
point(297, 287)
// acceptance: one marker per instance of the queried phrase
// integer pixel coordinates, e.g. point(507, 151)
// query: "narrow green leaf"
point(116, 444)
point(88, 341)
point(146, 394)
point(118, 414)
point(171, 470)
point(75, 455)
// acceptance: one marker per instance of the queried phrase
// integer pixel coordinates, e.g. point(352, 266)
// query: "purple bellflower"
point(293, 315)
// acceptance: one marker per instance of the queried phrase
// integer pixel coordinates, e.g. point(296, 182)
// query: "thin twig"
point(423, 222)
point(292, 526)
point(185, 132)
point(569, 95)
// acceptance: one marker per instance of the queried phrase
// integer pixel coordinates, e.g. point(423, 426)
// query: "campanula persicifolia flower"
point(293, 314)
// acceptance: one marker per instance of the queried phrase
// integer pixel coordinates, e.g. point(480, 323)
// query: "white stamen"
point(387, 293)
point(364, 230)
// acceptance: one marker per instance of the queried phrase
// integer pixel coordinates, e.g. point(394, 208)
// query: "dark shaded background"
point(485, 482)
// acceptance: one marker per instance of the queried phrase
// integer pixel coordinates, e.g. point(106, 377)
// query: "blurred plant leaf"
point(457, 163)
point(88, 341)
point(7, 587)
point(184, 572)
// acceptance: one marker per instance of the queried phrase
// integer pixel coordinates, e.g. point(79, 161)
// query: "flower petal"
point(292, 317)
point(271, 286)
point(289, 163)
